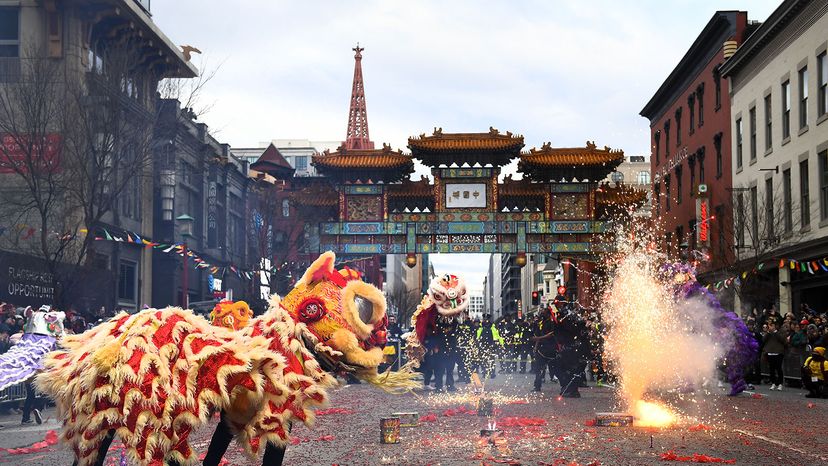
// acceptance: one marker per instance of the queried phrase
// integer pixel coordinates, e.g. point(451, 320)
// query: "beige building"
point(779, 109)
point(634, 171)
point(76, 42)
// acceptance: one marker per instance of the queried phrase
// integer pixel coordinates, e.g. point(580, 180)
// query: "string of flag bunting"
point(798, 266)
point(175, 248)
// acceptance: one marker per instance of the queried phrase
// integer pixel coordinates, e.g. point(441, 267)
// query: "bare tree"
point(404, 301)
point(765, 222)
point(75, 145)
point(190, 91)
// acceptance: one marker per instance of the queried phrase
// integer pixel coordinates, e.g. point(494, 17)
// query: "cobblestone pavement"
point(768, 428)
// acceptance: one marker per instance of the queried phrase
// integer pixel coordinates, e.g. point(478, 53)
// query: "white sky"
point(552, 70)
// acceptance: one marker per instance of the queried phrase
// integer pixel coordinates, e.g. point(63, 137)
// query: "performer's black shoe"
point(38, 416)
point(26, 421)
point(571, 395)
point(451, 388)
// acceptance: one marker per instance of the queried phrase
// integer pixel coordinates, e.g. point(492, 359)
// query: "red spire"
point(358, 116)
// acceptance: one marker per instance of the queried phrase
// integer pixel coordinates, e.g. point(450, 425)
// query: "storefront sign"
point(212, 215)
point(17, 154)
point(703, 221)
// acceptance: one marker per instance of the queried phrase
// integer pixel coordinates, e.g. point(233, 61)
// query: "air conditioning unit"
point(702, 188)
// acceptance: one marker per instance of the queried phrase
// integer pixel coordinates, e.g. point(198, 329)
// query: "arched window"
point(643, 177)
point(285, 208)
point(617, 177)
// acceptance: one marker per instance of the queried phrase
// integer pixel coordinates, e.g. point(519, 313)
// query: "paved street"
point(770, 428)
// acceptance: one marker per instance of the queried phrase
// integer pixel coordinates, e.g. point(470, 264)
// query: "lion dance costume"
point(743, 348)
point(154, 377)
point(40, 336)
point(232, 315)
point(434, 340)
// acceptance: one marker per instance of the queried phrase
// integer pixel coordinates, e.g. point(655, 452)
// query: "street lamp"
point(185, 225)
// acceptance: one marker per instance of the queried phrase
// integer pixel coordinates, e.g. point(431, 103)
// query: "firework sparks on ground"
point(656, 343)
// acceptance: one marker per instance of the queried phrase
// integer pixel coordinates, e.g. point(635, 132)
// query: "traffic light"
point(536, 298)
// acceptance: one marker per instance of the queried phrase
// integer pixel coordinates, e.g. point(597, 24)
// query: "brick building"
point(691, 153)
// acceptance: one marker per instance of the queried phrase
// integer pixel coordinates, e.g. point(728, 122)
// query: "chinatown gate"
point(365, 204)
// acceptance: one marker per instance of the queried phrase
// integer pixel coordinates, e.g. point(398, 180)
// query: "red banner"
point(19, 154)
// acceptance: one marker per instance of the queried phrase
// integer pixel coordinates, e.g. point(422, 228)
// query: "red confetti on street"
point(695, 458)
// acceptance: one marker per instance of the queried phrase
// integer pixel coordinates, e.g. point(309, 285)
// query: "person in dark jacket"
point(489, 343)
point(545, 347)
point(524, 342)
point(442, 348)
point(773, 348)
point(465, 348)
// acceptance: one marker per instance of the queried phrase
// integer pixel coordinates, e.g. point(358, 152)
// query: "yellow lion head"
point(231, 315)
point(342, 311)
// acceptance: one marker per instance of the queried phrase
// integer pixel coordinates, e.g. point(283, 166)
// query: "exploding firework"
point(656, 342)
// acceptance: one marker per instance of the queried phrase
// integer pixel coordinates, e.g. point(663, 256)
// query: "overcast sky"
point(551, 70)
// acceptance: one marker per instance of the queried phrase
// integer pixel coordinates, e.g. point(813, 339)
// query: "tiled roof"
point(521, 188)
point(590, 155)
point(411, 189)
point(365, 159)
point(491, 141)
point(619, 195)
point(272, 160)
point(315, 196)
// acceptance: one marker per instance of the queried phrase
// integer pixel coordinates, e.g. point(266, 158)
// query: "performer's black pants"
point(31, 399)
point(775, 365)
point(444, 369)
point(543, 364)
point(273, 455)
point(567, 373)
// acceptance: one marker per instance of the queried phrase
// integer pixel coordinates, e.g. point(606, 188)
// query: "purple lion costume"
point(744, 349)
point(40, 335)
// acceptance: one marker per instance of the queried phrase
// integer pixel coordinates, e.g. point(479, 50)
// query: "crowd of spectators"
point(13, 318)
point(794, 343)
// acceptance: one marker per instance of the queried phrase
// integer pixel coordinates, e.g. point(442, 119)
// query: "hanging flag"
point(169, 249)
point(744, 274)
point(781, 263)
point(792, 263)
point(107, 235)
point(802, 266)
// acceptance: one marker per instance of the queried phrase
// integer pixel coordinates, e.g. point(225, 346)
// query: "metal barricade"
point(13, 393)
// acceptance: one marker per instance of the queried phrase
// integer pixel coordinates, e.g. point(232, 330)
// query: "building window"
point(643, 177)
point(692, 234)
point(787, 198)
point(803, 97)
point(740, 219)
point(822, 94)
point(691, 104)
point(678, 184)
point(768, 123)
point(127, 282)
point(786, 110)
point(700, 98)
point(701, 165)
point(657, 137)
point(691, 164)
point(717, 82)
point(752, 144)
point(680, 235)
point(301, 163)
point(657, 198)
point(667, 193)
point(770, 220)
point(285, 208)
point(739, 143)
point(666, 139)
point(754, 215)
point(804, 194)
point(717, 144)
point(823, 185)
point(678, 126)
point(9, 32)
